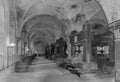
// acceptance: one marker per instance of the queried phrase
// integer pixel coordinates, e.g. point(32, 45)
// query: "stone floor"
point(43, 70)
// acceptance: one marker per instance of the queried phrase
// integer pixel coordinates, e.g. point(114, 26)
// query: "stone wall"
point(7, 36)
point(117, 53)
point(3, 35)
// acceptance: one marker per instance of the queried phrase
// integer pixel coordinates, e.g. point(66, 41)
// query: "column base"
point(87, 68)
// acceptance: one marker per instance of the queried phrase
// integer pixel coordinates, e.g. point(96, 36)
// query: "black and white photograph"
point(59, 40)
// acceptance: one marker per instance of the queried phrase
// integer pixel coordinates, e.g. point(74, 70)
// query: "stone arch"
point(102, 10)
point(54, 19)
point(32, 15)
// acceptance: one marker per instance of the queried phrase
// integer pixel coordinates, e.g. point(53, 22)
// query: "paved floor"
point(43, 70)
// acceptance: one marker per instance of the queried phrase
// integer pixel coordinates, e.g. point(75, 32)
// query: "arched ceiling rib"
point(46, 30)
point(49, 36)
point(46, 35)
point(38, 39)
point(110, 7)
point(43, 21)
point(64, 9)
point(47, 25)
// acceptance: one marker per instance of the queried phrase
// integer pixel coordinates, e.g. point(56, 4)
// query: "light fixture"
point(12, 44)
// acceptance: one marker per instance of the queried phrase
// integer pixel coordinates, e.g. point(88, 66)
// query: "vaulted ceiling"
point(51, 19)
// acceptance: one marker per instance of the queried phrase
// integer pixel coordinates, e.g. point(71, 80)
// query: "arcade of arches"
point(85, 32)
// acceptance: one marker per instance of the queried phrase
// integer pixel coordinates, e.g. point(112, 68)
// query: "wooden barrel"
point(21, 67)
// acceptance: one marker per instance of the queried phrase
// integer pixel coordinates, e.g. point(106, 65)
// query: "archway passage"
point(42, 28)
point(60, 19)
point(43, 24)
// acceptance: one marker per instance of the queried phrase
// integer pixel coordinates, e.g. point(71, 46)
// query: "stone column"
point(88, 46)
point(84, 51)
point(22, 45)
point(112, 50)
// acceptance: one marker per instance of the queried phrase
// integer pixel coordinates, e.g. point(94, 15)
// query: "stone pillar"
point(69, 50)
point(112, 49)
point(4, 34)
point(84, 51)
point(22, 46)
point(117, 52)
point(88, 46)
point(17, 45)
point(117, 60)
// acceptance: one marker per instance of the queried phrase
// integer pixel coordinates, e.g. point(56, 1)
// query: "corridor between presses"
point(43, 70)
